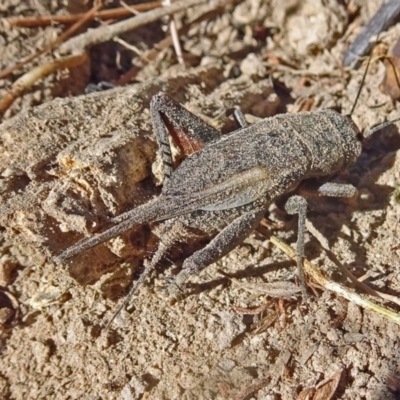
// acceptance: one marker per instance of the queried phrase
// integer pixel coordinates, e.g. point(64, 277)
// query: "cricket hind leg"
point(332, 189)
point(170, 232)
point(158, 255)
point(189, 132)
point(225, 241)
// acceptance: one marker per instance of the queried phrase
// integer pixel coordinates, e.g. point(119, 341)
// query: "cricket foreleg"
point(332, 189)
point(298, 205)
point(230, 237)
point(329, 189)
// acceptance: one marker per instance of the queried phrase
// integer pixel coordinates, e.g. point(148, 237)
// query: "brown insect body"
point(226, 182)
point(289, 147)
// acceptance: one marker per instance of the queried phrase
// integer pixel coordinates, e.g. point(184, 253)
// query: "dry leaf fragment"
point(9, 308)
point(273, 289)
point(391, 81)
point(324, 390)
point(306, 394)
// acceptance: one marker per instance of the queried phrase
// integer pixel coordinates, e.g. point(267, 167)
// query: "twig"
point(150, 55)
point(358, 282)
point(129, 8)
point(115, 13)
point(174, 34)
point(305, 72)
point(335, 287)
point(129, 46)
point(27, 80)
point(104, 33)
point(53, 45)
point(384, 17)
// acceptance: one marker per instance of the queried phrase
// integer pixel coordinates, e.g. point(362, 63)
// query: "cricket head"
point(337, 144)
point(352, 138)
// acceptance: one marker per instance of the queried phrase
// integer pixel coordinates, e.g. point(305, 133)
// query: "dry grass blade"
point(273, 289)
point(264, 323)
point(105, 33)
point(252, 311)
point(335, 287)
point(174, 34)
point(115, 13)
point(26, 81)
point(357, 282)
point(53, 45)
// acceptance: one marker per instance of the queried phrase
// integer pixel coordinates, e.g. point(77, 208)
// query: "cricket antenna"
point(381, 125)
point(362, 81)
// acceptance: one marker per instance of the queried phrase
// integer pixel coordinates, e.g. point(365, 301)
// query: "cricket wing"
point(243, 188)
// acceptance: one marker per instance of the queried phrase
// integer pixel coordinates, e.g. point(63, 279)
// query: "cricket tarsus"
point(238, 116)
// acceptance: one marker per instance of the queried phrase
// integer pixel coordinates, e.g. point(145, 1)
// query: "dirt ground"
point(70, 161)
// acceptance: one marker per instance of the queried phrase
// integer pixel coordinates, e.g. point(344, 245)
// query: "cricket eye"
point(357, 133)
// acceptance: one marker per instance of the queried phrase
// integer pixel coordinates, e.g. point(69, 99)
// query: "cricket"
point(226, 182)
